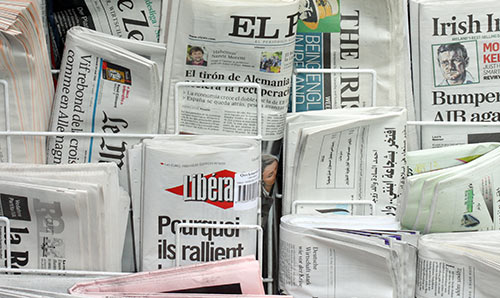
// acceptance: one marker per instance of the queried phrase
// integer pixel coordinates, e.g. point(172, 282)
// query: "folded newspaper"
point(459, 198)
point(242, 41)
point(456, 69)
point(25, 66)
point(422, 161)
point(346, 256)
point(235, 276)
point(104, 87)
point(354, 34)
point(59, 223)
point(458, 265)
point(347, 155)
point(134, 20)
point(198, 180)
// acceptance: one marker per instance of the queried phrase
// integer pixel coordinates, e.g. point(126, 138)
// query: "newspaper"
point(325, 256)
point(349, 154)
point(108, 205)
point(455, 58)
point(235, 276)
point(204, 180)
point(460, 265)
point(25, 66)
point(131, 19)
point(49, 226)
point(102, 88)
point(230, 41)
point(454, 199)
point(355, 34)
point(423, 161)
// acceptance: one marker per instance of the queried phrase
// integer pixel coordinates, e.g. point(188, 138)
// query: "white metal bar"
point(216, 84)
point(77, 134)
point(298, 203)
point(6, 222)
point(179, 226)
point(371, 72)
point(270, 257)
point(61, 272)
point(445, 123)
point(55, 71)
point(7, 117)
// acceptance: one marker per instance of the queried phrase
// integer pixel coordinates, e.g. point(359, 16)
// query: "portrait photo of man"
point(453, 62)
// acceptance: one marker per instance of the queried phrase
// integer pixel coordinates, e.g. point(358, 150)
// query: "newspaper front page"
point(355, 34)
point(362, 158)
point(199, 180)
point(457, 61)
point(102, 89)
point(231, 41)
point(48, 226)
point(132, 19)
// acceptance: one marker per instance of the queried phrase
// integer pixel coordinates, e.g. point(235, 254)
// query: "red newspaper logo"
point(216, 189)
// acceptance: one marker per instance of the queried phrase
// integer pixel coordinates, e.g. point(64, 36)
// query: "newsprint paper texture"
point(456, 55)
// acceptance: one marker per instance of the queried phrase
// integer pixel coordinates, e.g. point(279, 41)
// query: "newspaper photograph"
point(231, 41)
point(199, 180)
point(131, 19)
point(457, 61)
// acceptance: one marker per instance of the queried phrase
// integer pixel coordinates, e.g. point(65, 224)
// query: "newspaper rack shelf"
point(299, 203)
point(69, 277)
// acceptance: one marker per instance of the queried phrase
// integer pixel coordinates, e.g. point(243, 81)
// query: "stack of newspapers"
point(346, 256)
point(194, 180)
point(458, 265)
point(25, 67)
point(105, 86)
point(454, 189)
point(346, 155)
point(455, 67)
point(70, 217)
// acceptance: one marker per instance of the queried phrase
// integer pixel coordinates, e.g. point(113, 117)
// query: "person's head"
point(453, 61)
point(269, 171)
point(196, 53)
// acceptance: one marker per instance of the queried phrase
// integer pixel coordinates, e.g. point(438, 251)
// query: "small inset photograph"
point(270, 62)
point(116, 73)
point(455, 64)
point(196, 56)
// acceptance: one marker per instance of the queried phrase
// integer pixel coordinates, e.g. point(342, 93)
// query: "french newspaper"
point(48, 226)
point(132, 19)
point(356, 34)
point(102, 89)
point(199, 180)
point(231, 41)
point(457, 61)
